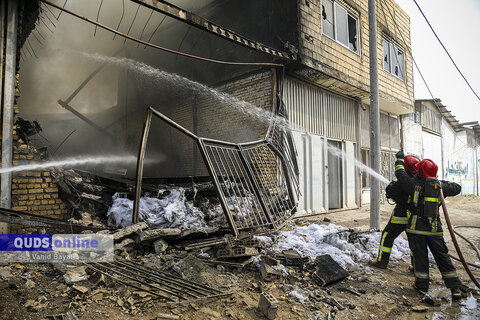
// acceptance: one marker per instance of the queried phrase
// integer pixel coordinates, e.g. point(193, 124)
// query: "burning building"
point(226, 72)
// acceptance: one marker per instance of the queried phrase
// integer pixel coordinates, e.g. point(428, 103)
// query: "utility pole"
point(8, 101)
point(374, 117)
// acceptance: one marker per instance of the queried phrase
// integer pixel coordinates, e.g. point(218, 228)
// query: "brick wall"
point(32, 191)
point(324, 54)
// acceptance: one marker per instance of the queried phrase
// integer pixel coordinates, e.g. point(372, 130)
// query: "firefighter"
point(398, 221)
point(424, 228)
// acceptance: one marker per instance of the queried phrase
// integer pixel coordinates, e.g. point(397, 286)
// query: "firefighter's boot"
point(456, 294)
point(378, 264)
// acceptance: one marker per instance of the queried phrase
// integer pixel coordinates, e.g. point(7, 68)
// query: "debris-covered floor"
point(213, 277)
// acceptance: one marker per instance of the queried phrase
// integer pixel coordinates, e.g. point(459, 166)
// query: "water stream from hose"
point(183, 85)
point(72, 162)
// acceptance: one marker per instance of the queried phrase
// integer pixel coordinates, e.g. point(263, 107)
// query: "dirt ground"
point(38, 291)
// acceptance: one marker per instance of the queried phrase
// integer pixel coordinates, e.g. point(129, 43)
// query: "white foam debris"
point(299, 295)
point(171, 211)
point(204, 255)
point(281, 268)
point(315, 240)
point(265, 240)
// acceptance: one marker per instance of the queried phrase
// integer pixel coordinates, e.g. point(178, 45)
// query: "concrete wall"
point(457, 161)
point(460, 160)
point(326, 55)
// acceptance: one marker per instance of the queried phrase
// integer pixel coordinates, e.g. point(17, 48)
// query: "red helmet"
point(410, 164)
point(427, 169)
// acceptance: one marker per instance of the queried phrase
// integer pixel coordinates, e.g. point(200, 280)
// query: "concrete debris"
point(163, 316)
point(269, 273)
point(125, 245)
point(237, 252)
point(268, 305)
point(160, 246)
point(6, 273)
point(128, 231)
point(420, 308)
point(75, 274)
point(29, 284)
point(81, 289)
point(154, 234)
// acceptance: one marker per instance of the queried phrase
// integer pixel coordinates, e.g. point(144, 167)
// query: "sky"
point(457, 24)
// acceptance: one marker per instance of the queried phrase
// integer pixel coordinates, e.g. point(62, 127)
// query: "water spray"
point(71, 162)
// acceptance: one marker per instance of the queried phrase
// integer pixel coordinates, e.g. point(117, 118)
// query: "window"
point(393, 59)
point(366, 161)
point(340, 25)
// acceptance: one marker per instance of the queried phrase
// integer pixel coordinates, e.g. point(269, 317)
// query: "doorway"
point(335, 179)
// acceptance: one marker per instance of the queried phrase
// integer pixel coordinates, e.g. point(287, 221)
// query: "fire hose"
point(455, 243)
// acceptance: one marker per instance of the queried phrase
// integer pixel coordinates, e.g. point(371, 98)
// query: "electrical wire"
point(451, 59)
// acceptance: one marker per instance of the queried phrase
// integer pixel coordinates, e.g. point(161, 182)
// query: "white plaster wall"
point(412, 137)
point(460, 160)
point(432, 149)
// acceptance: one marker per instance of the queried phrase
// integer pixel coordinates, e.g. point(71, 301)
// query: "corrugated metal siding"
point(304, 105)
point(431, 119)
point(389, 130)
point(308, 105)
point(364, 123)
point(340, 117)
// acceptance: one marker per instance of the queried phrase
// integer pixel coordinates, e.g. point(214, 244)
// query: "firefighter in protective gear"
point(398, 221)
point(424, 228)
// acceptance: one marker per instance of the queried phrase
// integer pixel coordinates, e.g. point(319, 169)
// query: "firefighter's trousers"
point(436, 243)
point(394, 227)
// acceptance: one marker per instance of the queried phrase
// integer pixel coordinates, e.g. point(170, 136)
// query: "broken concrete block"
point(231, 242)
point(270, 259)
point(81, 289)
point(292, 258)
point(237, 253)
point(125, 232)
point(163, 316)
point(268, 305)
point(154, 234)
point(268, 273)
point(75, 274)
point(160, 246)
point(5, 273)
point(126, 244)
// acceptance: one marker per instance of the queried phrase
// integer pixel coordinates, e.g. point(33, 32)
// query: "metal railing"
point(257, 182)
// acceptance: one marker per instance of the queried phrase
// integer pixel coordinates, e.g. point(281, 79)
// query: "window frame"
point(393, 45)
point(349, 13)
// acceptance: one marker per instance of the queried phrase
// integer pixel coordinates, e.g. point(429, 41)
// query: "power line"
point(446, 50)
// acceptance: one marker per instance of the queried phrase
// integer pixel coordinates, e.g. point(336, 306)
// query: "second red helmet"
point(410, 163)
point(427, 169)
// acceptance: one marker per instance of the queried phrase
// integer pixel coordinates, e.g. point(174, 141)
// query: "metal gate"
point(257, 182)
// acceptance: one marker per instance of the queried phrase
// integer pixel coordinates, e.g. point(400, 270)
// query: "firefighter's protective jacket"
point(401, 198)
point(416, 223)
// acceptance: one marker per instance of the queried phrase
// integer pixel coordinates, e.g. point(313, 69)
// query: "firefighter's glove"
point(400, 155)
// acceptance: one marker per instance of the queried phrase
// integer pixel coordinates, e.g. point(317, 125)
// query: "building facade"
point(433, 132)
point(327, 96)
